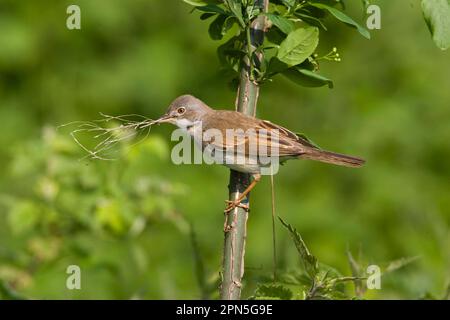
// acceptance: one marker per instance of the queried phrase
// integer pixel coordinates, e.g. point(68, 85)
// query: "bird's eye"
point(181, 110)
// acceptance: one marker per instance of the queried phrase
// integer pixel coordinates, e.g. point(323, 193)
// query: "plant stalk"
point(235, 227)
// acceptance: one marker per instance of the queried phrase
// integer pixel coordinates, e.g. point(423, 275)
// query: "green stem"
point(250, 53)
point(236, 221)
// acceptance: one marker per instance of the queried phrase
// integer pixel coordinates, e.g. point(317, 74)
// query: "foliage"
point(292, 39)
point(67, 202)
point(437, 16)
point(103, 189)
point(317, 280)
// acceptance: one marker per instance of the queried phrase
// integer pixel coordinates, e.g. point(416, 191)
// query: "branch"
point(236, 221)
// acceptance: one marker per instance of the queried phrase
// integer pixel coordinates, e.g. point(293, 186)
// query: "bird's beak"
point(164, 118)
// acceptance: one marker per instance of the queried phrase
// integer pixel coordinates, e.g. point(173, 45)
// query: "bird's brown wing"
point(296, 143)
point(250, 132)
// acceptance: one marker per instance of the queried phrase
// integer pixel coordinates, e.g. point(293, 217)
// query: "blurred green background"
point(128, 223)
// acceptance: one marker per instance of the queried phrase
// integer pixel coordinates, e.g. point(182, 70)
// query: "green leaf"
point(212, 8)
point(195, 3)
point(275, 36)
point(229, 22)
point(289, 3)
point(220, 26)
point(215, 28)
point(309, 261)
point(298, 45)
point(344, 18)
point(235, 7)
point(276, 66)
point(252, 12)
point(229, 53)
point(272, 292)
point(307, 78)
point(285, 25)
point(437, 17)
point(294, 277)
point(207, 15)
point(311, 20)
point(201, 3)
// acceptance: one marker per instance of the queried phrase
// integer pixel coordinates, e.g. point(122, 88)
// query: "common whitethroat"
point(251, 136)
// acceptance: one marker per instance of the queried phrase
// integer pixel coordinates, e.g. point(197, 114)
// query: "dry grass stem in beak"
point(104, 137)
point(163, 119)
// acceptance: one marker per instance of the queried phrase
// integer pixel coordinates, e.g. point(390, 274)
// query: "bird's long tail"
point(333, 158)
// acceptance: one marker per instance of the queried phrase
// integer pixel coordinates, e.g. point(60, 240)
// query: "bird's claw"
point(231, 205)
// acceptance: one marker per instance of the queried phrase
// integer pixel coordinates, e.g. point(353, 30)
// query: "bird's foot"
point(231, 205)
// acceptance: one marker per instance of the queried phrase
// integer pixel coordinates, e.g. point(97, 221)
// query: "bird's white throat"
point(188, 125)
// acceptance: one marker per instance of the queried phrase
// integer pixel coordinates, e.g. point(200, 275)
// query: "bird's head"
point(185, 111)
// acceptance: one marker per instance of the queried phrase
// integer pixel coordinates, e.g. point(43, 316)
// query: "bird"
point(195, 117)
